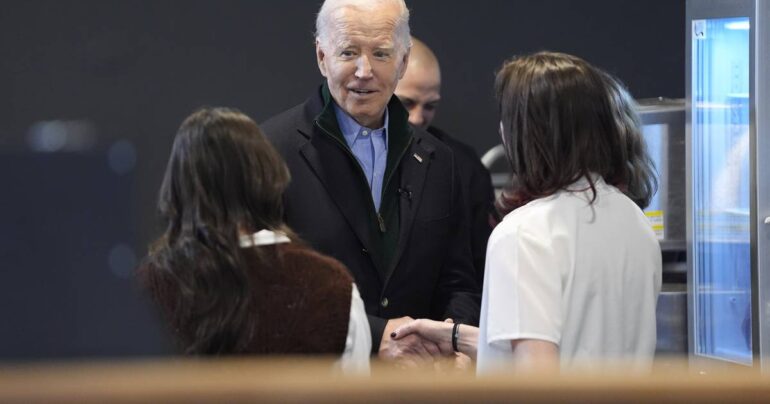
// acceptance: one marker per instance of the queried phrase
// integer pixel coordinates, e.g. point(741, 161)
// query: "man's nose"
point(415, 116)
point(363, 67)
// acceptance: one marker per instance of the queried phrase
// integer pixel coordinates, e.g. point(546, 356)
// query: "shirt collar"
point(351, 129)
point(582, 183)
point(263, 237)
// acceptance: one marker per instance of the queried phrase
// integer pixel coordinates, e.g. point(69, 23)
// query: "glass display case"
point(725, 202)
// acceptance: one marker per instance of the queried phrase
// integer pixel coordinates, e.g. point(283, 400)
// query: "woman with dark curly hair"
point(228, 275)
point(573, 271)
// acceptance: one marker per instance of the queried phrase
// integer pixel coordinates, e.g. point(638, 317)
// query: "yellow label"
point(656, 221)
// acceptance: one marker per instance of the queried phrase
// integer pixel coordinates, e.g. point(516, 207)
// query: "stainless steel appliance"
point(664, 132)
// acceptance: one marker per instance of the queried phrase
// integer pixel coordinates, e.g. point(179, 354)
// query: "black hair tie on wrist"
point(455, 336)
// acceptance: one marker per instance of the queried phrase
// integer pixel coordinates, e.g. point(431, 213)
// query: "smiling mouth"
point(361, 91)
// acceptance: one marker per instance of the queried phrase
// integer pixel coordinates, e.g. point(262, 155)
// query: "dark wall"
point(641, 42)
point(114, 79)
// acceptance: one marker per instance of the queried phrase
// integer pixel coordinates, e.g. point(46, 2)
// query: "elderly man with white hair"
point(378, 194)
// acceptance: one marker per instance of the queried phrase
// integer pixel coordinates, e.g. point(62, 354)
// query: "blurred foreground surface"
point(303, 380)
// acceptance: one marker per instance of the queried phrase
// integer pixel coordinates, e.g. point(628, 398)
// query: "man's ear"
point(404, 63)
point(320, 57)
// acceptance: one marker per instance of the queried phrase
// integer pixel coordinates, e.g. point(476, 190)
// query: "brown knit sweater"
point(300, 306)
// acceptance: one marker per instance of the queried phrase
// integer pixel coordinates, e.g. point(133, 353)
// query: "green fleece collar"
point(399, 131)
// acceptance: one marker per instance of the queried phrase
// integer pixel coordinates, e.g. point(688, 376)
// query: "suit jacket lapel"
point(334, 171)
point(414, 169)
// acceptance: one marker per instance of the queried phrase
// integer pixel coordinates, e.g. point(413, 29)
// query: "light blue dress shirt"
point(370, 146)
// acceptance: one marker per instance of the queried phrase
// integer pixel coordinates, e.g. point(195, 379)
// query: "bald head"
point(420, 88)
point(422, 58)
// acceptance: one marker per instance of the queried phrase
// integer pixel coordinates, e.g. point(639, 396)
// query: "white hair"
point(323, 22)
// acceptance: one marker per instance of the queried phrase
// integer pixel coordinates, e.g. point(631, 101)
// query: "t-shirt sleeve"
point(524, 289)
point(358, 345)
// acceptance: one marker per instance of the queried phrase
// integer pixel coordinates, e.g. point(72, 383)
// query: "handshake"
point(415, 343)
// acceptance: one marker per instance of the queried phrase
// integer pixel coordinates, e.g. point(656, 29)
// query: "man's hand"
point(455, 363)
point(411, 351)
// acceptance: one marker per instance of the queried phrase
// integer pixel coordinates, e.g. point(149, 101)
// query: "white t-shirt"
point(583, 276)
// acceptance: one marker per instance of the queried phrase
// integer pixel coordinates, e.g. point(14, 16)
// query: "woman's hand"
point(441, 334)
point(438, 332)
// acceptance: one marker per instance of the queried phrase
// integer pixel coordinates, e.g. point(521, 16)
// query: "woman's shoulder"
point(306, 259)
point(544, 218)
point(531, 215)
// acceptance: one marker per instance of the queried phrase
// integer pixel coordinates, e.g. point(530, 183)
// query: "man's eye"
point(430, 107)
point(408, 104)
point(347, 53)
point(381, 55)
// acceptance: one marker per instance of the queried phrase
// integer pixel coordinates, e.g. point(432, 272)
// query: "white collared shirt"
point(358, 345)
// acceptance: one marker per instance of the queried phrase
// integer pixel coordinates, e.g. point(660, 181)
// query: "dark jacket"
point(421, 267)
point(478, 194)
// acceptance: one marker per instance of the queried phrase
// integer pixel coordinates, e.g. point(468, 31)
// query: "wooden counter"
point(302, 380)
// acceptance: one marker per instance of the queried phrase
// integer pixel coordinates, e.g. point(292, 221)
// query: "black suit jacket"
point(431, 274)
point(478, 194)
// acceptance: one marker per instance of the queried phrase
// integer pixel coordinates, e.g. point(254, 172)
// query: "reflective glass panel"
point(721, 188)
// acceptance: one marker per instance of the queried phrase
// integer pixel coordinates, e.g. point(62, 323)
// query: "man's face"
point(361, 63)
point(420, 92)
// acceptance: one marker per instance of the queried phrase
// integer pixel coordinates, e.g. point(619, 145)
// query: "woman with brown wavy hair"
point(573, 271)
point(228, 275)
